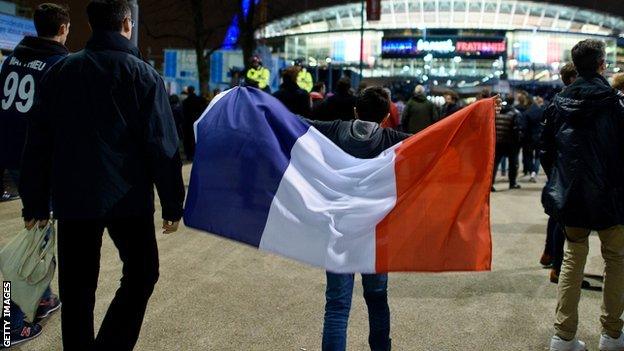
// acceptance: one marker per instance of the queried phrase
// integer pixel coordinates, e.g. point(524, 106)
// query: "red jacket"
point(394, 120)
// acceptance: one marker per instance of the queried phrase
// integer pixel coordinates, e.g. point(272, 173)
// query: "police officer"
point(258, 74)
point(304, 79)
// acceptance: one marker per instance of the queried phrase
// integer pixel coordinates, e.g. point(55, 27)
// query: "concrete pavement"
point(218, 295)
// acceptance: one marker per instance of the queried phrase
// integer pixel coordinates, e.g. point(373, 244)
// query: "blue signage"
point(13, 30)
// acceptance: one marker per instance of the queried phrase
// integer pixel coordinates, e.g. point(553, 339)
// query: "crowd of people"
point(124, 129)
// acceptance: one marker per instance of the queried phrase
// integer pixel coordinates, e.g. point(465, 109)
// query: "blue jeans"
point(17, 316)
point(339, 294)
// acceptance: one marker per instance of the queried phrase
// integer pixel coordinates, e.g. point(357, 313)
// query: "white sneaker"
point(558, 344)
point(608, 343)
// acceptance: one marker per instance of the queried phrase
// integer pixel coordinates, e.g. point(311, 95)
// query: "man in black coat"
point(585, 192)
point(532, 116)
point(555, 236)
point(291, 95)
point(102, 136)
point(338, 106)
point(192, 107)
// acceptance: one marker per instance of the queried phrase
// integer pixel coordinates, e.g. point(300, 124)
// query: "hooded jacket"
point(583, 144)
point(359, 138)
point(419, 113)
point(22, 73)
point(532, 118)
point(103, 136)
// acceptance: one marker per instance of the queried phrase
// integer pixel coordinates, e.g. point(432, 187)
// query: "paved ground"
point(218, 295)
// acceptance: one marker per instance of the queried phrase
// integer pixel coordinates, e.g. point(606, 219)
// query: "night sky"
point(277, 8)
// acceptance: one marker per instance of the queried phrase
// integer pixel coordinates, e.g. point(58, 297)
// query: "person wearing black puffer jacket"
point(508, 136)
point(585, 192)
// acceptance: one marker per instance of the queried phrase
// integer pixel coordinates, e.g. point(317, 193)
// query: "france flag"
point(265, 177)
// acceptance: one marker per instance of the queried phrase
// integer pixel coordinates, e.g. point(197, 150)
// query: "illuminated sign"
point(443, 47)
point(480, 47)
point(13, 30)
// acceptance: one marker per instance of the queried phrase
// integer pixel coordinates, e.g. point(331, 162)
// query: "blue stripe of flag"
point(243, 150)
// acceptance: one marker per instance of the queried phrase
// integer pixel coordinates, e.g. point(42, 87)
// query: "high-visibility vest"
point(304, 80)
point(261, 75)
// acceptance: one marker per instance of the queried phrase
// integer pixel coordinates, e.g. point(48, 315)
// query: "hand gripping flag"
point(264, 177)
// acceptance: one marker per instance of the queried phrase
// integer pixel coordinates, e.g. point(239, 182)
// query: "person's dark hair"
point(452, 94)
point(318, 86)
point(344, 85)
point(588, 55)
point(108, 14)
point(568, 73)
point(190, 89)
point(373, 104)
point(525, 98)
point(290, 74)
point(485, 94)
point(362, 86)
point(510, 100)
point(174, 99)
point(48, 19)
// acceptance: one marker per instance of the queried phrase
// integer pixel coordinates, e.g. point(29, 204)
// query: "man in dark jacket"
point(294, 98)
point(555, 236)
point(508, 136)
point(419, 113)
point(585, 192)
point(340, 105)
point(102, 136)
point(192, 107)
point(451, 104)
point(21, 76)
point(532, 126)
point(362, 138)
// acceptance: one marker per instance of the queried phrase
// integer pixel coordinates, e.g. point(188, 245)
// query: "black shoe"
point(515, 186)
point(6, 196)
point(493, 189)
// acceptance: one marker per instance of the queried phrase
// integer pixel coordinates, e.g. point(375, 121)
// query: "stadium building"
point(452, 43)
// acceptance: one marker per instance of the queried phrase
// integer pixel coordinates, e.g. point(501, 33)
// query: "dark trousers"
point(338, 305)
point(555, 242)
point(189, 141)
point(511, 152)
point(530, 159)
point(79, 244)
